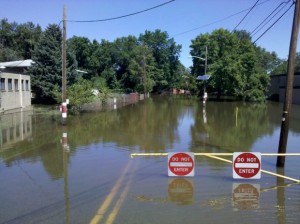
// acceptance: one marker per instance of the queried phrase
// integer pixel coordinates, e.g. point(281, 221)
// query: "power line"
point(119, 17)
point(217, 21)
point(264, 23)
point(246, 15)
point(274, 23)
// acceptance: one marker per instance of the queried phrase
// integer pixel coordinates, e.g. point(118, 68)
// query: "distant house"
point(15, 87)
point(278, 85)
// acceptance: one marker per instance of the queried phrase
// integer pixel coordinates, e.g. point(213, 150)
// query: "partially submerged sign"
point(181, 164)
point(246, 165)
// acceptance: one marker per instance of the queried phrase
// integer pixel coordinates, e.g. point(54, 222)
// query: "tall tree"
point(18, 41)
point(166, 55)
point(80, 46)
point(7, 41)
point(27, 36)
point(234, 64)
point(141, 70)
point(46, 71)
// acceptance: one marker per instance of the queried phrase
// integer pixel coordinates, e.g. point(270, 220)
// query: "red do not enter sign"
point(246, 165)
point(181, 164)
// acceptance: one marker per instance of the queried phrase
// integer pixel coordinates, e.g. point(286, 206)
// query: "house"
point(15, 87)
point(278, 85)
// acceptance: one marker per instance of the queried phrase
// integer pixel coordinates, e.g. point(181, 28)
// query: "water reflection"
point(280, 197)
point(94, 141)
point(64, 141)
point(228, 129)
point(245, 196)
point(181, 191)
point(15, 127)
point(154, 125)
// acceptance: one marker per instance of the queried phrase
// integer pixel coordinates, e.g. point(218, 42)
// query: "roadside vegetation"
point(149, 62)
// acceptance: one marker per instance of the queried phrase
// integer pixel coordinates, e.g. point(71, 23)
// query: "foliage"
point(141, 70)
point(100, 87)
point(18, 41)
point(283, 66)
point(166, 56)
point(149, 62)
point(186, 80)
point(46, 71)
point(78, 94)
point(237, 67)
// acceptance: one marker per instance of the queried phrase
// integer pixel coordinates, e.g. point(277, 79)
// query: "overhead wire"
point(217, 21)
point(246, 15)
point(119, 17)
point(274, 23)
point(264, 23)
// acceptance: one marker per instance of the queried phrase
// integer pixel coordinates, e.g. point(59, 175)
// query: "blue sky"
point(182, 19)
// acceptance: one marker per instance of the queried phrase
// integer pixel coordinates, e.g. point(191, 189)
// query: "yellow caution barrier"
point(215, 156)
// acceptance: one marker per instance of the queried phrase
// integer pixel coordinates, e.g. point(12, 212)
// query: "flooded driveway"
point(83, 172)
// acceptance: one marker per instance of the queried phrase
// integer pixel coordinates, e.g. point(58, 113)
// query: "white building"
point(15, 87)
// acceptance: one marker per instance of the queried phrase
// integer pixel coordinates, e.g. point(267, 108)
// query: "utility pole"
point(289, 87)
point(144, 72)
point(205, 69)
point(64, 69)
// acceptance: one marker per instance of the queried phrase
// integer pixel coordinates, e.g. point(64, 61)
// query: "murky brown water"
point(89, 177)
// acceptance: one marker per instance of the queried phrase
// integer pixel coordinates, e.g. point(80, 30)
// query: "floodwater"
point(83, 172)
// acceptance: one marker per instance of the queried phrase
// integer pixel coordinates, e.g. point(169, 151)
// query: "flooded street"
point(83, 172)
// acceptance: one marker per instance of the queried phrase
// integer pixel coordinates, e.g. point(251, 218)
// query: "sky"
point(183, 20)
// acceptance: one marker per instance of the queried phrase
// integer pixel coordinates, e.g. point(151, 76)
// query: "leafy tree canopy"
point(237, 67)
point(46, 71)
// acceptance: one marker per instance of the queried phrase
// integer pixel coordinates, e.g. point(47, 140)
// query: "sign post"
point(246, 165)
point(181, 164)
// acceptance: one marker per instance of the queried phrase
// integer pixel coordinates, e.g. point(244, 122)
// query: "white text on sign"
point(181, 164)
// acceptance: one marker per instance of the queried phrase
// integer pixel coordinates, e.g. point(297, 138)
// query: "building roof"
point(18, 64)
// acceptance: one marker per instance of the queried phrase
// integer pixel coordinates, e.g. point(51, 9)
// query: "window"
point(27, 85)
point(9, 84)
point(22, 83)
point(16, 85)
point(2, 84)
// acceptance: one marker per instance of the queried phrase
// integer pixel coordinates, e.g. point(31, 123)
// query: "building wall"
point(278, 85)
point(15, 91)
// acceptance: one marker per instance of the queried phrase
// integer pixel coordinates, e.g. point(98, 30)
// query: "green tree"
point(7, 41)
point(119, 62)
point(27, 36)
point(80, 47)
point(186, 81)
point(18, 41)
point(283, 65)
point(166, 56)
point(79, 94)
point(234, 65)
point(268, 60)
point(46, 71)
point(141, 70)
point(100, 89)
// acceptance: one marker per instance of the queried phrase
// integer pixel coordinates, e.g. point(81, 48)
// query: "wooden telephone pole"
point(289, 86)
point(64, 68)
